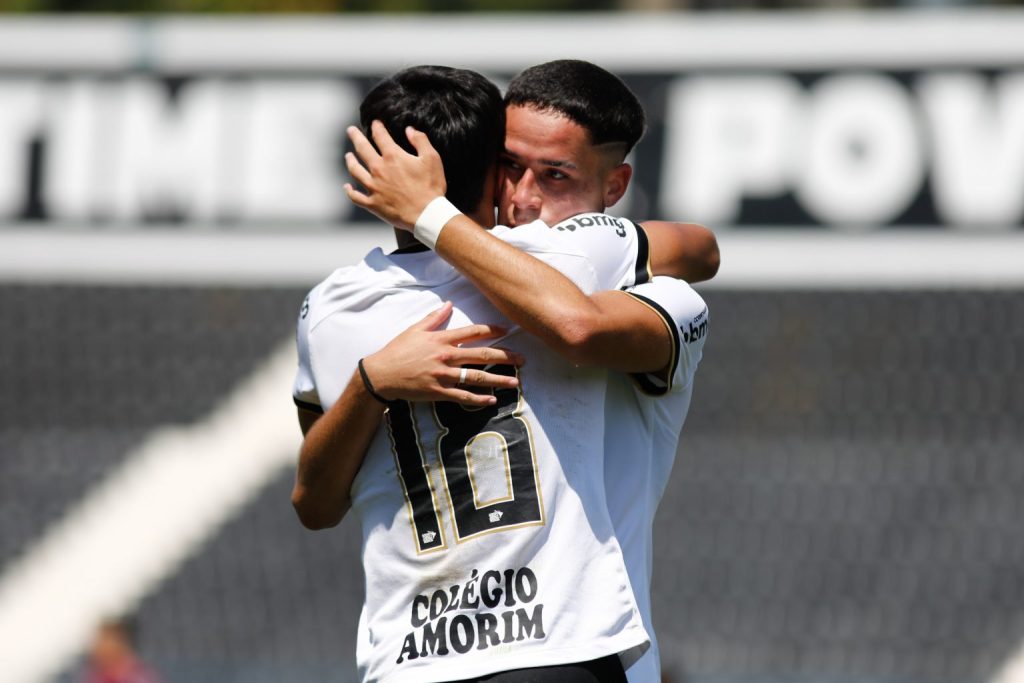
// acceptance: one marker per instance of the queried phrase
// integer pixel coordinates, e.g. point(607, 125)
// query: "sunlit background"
point(846, 506)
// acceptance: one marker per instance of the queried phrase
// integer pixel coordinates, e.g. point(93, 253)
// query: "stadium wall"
point(857, 121)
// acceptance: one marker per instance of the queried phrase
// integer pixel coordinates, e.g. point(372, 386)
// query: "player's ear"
point(616, 182)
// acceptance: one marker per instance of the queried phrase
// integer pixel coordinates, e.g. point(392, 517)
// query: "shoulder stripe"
point(643, 256)
point(306, 405)
point(645, 381)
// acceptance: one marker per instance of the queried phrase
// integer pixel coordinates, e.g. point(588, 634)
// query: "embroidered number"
point(488, 466)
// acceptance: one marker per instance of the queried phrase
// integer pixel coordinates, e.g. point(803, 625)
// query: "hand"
point(399, 185)
point(424, 363)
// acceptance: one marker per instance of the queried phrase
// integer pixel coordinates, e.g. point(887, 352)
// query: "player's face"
point(551, 171)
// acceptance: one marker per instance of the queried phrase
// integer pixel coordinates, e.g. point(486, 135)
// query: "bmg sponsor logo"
point(696, 328)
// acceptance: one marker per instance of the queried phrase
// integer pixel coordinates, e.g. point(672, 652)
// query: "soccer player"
point(565, 154)
point(487, 544)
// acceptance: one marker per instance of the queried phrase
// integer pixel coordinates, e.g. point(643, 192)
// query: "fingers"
point(381, 136)
point(485, 355)
point(420, 142)
point(476, 377)
point(468, 398)
point(435, 319)
point(357, 197)
point(461, 335)
point(362, 146)
point(357, 170)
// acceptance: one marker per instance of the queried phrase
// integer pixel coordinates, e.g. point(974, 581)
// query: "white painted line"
point(136, 527)
point(621, 41)
point(1012, 670)
point(751, 258)
point(935, 258)
point(102, 44)
point(182, 256)
point(655, 42)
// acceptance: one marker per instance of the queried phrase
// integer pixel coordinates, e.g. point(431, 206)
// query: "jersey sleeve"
point(304, 391)
point(686, 318)
point(617, 248)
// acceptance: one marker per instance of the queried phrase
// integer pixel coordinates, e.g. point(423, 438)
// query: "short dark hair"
point(460, 111)
point(588, 95)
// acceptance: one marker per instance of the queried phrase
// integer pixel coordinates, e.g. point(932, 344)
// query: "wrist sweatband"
point(369, 386)
point(428, 226)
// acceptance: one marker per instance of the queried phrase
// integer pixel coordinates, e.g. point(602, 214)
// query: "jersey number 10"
point(487, 462)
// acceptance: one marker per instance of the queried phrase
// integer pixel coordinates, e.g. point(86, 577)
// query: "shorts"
point(604, 670)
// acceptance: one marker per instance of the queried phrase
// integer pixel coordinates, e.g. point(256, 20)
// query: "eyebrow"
point(547, 162)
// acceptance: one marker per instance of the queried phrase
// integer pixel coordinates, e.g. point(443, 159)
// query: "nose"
point(526, 196)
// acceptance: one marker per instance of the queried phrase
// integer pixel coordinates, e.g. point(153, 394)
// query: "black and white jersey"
point(644, 415)
point(487, 543)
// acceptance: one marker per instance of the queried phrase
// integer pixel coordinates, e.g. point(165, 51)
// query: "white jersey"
point(487, 544)
point(643, 421)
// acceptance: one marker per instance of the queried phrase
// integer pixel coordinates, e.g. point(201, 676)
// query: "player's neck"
point(405, 239)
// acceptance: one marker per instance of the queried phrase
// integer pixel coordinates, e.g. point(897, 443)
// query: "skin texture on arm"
point(686, 251)
point(543, 301)
point(421, 364)
point(603, 330)
point(332, 453)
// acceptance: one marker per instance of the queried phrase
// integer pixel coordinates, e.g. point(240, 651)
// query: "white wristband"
point(428, 226)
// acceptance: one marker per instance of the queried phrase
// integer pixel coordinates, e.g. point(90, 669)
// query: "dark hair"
point(588, 95)
point(461, 113)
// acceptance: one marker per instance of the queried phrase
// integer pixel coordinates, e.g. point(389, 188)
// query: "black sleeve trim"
point(646, 380)
point(311, 407)
point(642, 273)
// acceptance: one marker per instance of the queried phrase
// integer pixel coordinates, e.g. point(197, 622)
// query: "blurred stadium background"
point(846, 507)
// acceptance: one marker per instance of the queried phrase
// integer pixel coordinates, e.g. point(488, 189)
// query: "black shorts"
point(605, 670)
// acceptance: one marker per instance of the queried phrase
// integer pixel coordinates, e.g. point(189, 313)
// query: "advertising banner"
point(839, 121)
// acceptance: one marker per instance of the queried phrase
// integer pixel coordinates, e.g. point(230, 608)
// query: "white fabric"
point(432, 219)
point(571, 599)
point(641, 444)
point(304, 387)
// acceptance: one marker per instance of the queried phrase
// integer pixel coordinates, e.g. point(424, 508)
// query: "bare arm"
point(603, 330)
point(619, 334)
point(686, 251)
point(332, 453)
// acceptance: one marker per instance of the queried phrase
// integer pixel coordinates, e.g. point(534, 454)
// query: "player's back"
point(483, 549)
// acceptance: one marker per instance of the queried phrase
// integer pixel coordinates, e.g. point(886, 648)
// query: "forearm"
point(332, 454)
point(608, 329)
point(528, 291)
point(686, 251)
point(628, 335)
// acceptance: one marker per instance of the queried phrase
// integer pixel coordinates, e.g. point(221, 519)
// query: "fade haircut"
point(595, 99)
point(460, 111)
